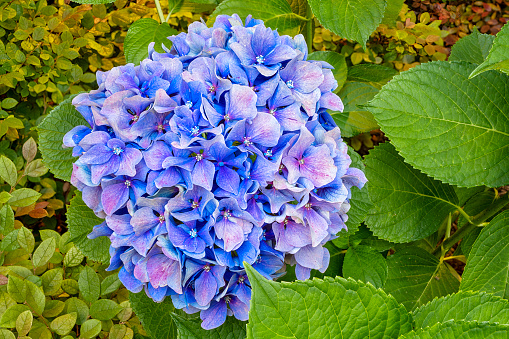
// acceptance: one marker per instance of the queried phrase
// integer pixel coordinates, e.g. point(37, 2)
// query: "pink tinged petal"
point(310, 257)
point(228, 180)
point(168, 178)
point(120, 224)
point(263, 170)
point(118, 240)
point(354, 177)
point(325, 261)
point(163, 103)
point(242, 103)
point(308, 76)
point(317, 224)
point(159, 267)
point(290, 117)
point(329, 82)
point(98, 154)
point(140, 271)
point(203, 174)
point(129, 159)
point(292, 166)
point(114, 197)
point(244, 53)
point(156, 154)
point(240, 309)
point(214, 316)
point(94, 138)
point(143, 220)
point(264, 130)
point(318, 166)
point(230, 232)
point(205, 288)
point(303, 142)
point(100, 171)
point(308, 100)
point(331, 101)
point(143, 242)
point(177, 236)
point(297, 234)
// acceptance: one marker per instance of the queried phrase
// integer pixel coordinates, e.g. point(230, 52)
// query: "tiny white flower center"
point(117, 150)
point(260, 59)
point(193, 233)
point(289, 83)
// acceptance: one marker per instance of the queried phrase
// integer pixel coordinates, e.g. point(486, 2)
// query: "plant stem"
point(309, 28)
point(160, 11)
point(473, 223)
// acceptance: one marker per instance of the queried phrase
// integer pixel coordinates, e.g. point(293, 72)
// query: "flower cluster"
point(217, 152)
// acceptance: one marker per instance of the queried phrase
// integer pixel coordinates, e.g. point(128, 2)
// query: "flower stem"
point(160, 11)
point(473, 223)
point(309, 28)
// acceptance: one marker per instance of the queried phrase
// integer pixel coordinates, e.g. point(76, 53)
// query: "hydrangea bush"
point(215, 153)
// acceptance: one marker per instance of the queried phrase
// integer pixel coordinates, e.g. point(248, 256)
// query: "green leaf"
point(460, 330)
point(104, 309)
point(10, 316)
point(276, 14)
point(10, 242)
point(53, 308)
point(119, 331)
point(51, 130)
point(329, 308)
point(435, 115)
point(392, 12)
point(90, 329)
point(70, 286)
point(35, 297)
point(473, 48)
point(73, 257)
point(29, 149)
point(365, 264)
point(63, 324)
point(17, 289)
point(174, 6)
point(8, 171)
point(498, 58)
point(6, 220)
point(52, 280)
point(89, 284)
point(416, 277)
point(80, 221)
point(4, 197)
point(24, 323)
point(6, 334)
point(487, 268)
point(191, 329)
point(337, 61)
point(44, 252)
point(110, 284)
point(152, 315)
point(350, 19)
point(94, 2)
point(24, 197)
point(140, 34)
point(79, 307)
point(408, 205)
point(36, 168)
point(355, 120)
point(376, 75)
point(47, 234)
point(464, 305)
point(9, 103)
point(26, 239)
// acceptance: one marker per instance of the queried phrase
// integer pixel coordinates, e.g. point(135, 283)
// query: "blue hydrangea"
point(217, 152)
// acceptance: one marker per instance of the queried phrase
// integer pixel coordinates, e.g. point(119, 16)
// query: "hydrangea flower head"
point(217, 152)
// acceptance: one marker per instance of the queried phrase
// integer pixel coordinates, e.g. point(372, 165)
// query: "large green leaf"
point(155, 317)
point(392, 12)
point(354, 120)
point(464, 305)
point(473, 48)
point(276, 14)
point(365, 264)
point(450, 127)
point(487, 266)
point(80, 221)
point(337, 61)
point(191, 329)
point(461, 330)
point(350, 19)
point(298, 6)
point(52, 129)
point(498, 58)
point(408, 205)
point(329, 308)
point(417, 277)
point(376, 75)
point(140, 34)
